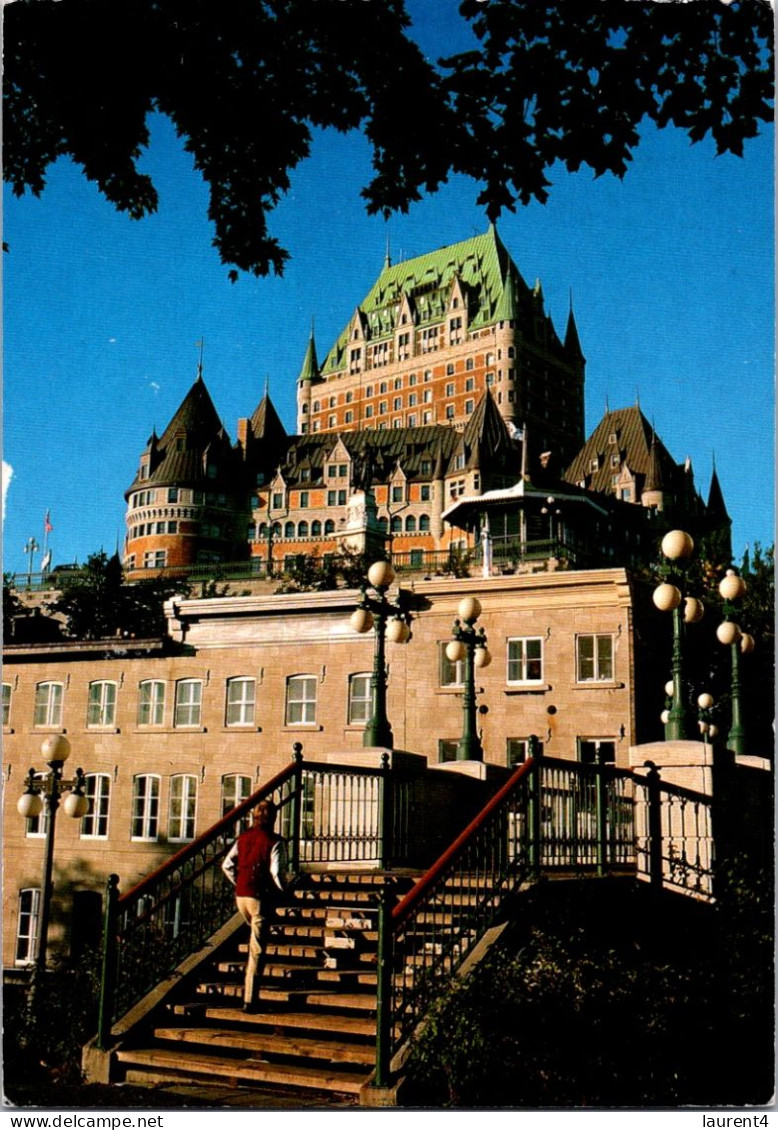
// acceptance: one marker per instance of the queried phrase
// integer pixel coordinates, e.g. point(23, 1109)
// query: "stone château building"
point(449, 383)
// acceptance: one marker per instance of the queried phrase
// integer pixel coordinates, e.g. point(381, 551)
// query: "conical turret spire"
point(310, 369)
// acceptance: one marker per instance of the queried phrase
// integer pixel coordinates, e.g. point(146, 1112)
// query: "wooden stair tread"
point(255, 1041)
point(241, 1070)
point(330, 1022)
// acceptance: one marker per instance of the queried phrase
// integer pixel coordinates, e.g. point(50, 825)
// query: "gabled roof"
point(633, 437)
point(482, 265)
point(382, 451)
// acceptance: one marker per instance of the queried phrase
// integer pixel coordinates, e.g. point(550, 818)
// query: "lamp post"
point(469, 644)
point(31, 803)
point(677, 547)
point(732, 588)
point(390, 621)
point(708, 729)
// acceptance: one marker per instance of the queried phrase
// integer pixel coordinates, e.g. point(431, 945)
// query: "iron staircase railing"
point(327, 814)
point(551, 816)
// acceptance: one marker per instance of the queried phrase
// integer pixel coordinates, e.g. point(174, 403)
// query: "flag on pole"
point(46, 562)
point(47, 526)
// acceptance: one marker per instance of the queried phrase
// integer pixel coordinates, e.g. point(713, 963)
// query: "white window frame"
point(240, 701)
point(596, 661)
point(27, 926)
point(360, 698)
point(154, 691)
point(187, 711)
point(94, 826)
point(7, 695)
point(519, 660)
point(36, 827)
point(144, 819)
point(301, 700)
point(236, 787)
point(449, 674)
point(182, 808)
point(101, 704)
point(523, 754)
point(48, 712)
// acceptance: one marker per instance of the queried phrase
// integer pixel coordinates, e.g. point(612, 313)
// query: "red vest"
point(253, 879)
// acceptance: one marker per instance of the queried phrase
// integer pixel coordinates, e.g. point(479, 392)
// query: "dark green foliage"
point(12, 608)
point(310, 573)
point(97, 604)
point(43, 1037)
point(603, 1001)
point(245, 84)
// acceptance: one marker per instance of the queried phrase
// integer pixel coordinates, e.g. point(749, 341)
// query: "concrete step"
point(257, 1042)
point(163, 1063)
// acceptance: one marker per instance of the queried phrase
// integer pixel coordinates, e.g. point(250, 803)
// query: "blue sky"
point(671, 272)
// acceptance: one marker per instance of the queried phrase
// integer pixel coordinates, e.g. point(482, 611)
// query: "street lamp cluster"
point(390, 620)
point(469, 645)
point(46, 794)
point(669, 596)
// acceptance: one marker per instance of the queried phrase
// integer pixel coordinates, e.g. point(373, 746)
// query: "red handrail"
point(192, 848)
point(417, 892)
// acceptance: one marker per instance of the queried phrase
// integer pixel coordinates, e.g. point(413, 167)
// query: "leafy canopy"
point(245, 83)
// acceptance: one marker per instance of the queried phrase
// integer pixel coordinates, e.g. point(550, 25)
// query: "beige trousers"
point(258, 924)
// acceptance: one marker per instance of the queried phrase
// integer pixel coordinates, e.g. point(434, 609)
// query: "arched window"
point(316, 528)
point(289, 530)
point(277, 531)
point(397, 525)
point(302, 530)
point(94, 826)
point(410, 524)
point(329, 526)
point(383, 523)
point(263, 530)
point(424, 523)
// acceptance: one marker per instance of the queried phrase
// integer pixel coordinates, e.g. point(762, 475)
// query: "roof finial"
point(267, 385)
point(637, 397)
point(607, 405)
point(388, 256)
point(200, 344)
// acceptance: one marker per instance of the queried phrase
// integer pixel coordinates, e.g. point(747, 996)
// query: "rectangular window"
point(37, 826)
point(447, 749)
point(451, 674)
point(397, 493)
point(304, 499)
point(151, 703)
point(470, 384)
point(397, 403)
point(278, 500)
point(425, 494)
point(301, 700)
point(517, 751)
point(48, 704)
point(595, 658)
point(94, 825)
point(449, 390)
point(101, 710)
point(449, 411)
point(341, 498)
point(594, 750)
point(181, 810)
point(241, 696)
point(6, 704)
point(155, 559)
point(145, 807)
point(189, 693)
point(525, 660)
point(235, 789)
point(360, 699)
point(332, 498)
point(27, 926)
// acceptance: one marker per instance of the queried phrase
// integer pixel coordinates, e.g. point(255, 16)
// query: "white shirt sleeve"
point(278, 865)
point(230, 864)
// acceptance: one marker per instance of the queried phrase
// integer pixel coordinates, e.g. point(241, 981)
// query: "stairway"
point(316, 1030)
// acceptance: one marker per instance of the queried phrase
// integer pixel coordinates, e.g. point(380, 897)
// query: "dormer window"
point(180, 443)
point(613, 438)
point(143, 471)
point(594, 465)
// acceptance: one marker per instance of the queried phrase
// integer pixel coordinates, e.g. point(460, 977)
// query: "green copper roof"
point(310, 369)
point(482, 264)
